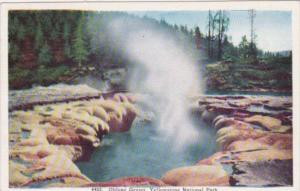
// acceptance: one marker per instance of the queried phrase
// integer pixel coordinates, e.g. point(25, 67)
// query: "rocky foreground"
point(254, 135)
point(48, 135)
point(46, 139)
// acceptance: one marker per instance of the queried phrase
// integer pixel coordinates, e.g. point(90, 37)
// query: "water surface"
point(143, 152)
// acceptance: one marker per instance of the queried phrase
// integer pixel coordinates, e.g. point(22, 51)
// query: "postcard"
point(160, 96)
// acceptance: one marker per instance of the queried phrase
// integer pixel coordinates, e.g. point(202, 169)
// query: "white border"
point(293, 6)
point(155, 5)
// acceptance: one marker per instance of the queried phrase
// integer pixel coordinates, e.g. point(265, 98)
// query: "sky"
point(273, 28)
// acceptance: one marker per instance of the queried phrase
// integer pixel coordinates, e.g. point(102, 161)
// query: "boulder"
point(263, 155)
point(53, 93)
point(278, 104)
point(263, 173)
point(87, 109)
point(74, 152)
point(268, 122)
point(16, 177)
point(277, 140)
point(31, 153)
point(246, 145)
point(33, 142)
point(216, 119)
point(86, 130)
point(112, 106)
point(28, 117)
point(54, 110)
point(63, 136)
point(15, 127)
point(225, 122)
point(223, 108)
point(209, 100)
point(115, 124)
point(200, 175)
point(55, 165)
point(38, 132)
point(196, 109)
point(71, 182)
point(131, 110)
point(120, 97)
point(222, 157)
point(208, 116)
point(227, 135)
point(240, 103)
point(124, 124)
point(100, 113)
point(83, 117)
point(62, 140)
point(90, 139)
point(14, 138)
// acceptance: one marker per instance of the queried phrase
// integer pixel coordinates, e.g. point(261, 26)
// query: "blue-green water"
point(143, 152)
point(245, 93)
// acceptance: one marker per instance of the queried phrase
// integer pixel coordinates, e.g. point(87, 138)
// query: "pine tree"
point(21, 33)
point(66, 36)
point(176, 27)
point(45, 56)
point(13, 25)
point(30, 24)
point(252, 14)
point(209, 32)
point(197, 37)
point(80, 47)
point(67, 49)
point(39, 37)
point(244, 47)
point(223, 22)
point(253, 48)
point(54, 33)
point(14, 53)
point(213, 28)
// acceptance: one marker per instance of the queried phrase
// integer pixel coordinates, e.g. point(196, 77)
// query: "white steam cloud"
point(165, 70)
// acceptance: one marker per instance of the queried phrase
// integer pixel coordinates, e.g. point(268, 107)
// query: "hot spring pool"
point(143, 152)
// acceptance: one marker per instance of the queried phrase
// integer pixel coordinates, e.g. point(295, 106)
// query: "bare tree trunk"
point(209, 33)
point(252, 32)
point(251, 29)
point(212, 37)
point(220, 34)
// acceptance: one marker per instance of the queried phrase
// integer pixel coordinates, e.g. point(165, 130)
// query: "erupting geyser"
point(165, 70)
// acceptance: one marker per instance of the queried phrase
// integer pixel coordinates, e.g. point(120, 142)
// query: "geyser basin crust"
point(46, 141)
point(59, 134)
point(251, 137)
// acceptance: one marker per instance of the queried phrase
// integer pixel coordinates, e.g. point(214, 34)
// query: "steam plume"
point(164, 69)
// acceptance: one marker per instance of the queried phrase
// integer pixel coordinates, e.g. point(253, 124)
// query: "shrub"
point(49, 75)
point(19, 78)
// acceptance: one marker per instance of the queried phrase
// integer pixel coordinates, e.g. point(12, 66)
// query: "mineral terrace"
point(51, 128)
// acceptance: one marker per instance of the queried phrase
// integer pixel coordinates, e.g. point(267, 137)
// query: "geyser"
point(164, 69)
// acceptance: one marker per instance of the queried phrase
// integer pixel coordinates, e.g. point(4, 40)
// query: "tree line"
point(45, 45)
point(50, 38)
point(218, 42)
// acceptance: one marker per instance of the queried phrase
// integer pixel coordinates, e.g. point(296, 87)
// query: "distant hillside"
point(285, 53)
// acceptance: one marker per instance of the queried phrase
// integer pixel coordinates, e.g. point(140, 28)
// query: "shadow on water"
point(144, 152)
